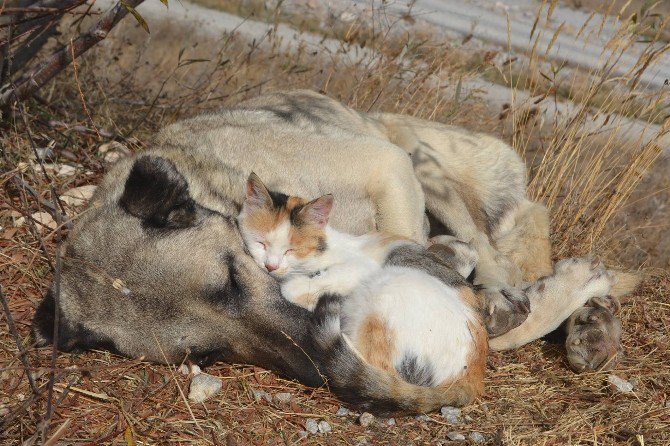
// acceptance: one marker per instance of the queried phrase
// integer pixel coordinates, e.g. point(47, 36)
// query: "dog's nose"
point(270, 267)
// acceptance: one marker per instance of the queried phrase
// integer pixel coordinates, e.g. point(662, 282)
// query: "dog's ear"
point(157, 193)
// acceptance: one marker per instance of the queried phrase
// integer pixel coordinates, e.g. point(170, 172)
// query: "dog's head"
point(152, 270)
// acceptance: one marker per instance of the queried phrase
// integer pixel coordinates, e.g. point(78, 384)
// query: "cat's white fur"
point(429, 319)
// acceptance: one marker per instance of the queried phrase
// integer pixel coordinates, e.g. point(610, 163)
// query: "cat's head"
point(282, 231)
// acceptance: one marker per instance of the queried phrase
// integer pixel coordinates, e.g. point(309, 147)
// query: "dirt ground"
point(532, 397)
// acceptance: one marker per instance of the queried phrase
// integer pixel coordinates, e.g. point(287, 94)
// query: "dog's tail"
point(626, 283)
point(369, 388)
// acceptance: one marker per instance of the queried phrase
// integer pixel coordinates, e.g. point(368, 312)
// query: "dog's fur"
point(156, 267)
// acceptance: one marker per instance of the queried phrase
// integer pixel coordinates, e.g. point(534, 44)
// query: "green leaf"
point(137, 15)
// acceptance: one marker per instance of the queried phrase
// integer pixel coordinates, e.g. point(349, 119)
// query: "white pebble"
point(390, 422)
point(451, 414)
point(66, 170)
point(203, 387)
point(261, 395)
point(477, 437)
point(324, 427)
point(619, 384)
point(455, 436)
point(423, 417)
point(183, 369)
point(42, 219)
point(366, 419)
point(311, 426)
point(283, 397)
point(342, 412)
point(78, 196)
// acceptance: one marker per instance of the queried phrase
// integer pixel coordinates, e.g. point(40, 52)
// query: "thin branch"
point(19, 343)
point(40, 75)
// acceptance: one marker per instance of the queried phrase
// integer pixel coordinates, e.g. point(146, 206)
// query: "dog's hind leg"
point(523, 237)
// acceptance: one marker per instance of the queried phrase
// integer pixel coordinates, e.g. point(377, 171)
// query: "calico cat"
point(401, 320)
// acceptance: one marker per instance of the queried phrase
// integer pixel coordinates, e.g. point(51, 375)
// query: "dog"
point(156, 267)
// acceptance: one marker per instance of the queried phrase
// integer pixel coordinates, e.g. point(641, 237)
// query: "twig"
point(19, 343)
point(57, 62)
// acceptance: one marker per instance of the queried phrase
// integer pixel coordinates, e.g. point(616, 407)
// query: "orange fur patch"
point(376, 342)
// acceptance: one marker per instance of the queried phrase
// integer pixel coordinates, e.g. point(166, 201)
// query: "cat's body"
point(401, 320)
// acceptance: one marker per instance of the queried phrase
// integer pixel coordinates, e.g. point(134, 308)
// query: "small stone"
point(44, 153)
point(195, 369)
point(311, 426)
point(78, 196)
point(43, 221)
point(303, 434)
point(283, 397)
point(620, 385)
point(366, 419)
point(203, 387)
point(183, 369)
point(113, 146)
point(477, 437)
point(342, 412)
point(324, 427)
point(112, 157)
point(261, 395)
point(451, 414)
point(423, 417)
point(390, 422)
point(66, 170)
point(455, 436)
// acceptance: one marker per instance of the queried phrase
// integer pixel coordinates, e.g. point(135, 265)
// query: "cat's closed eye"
point(262, 245)
point(289, 251)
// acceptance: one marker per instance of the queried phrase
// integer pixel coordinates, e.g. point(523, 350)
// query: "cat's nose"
point(270, 267)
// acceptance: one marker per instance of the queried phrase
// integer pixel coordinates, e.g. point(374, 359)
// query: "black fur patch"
point(321, 244)
point(278, 199)
point(204, 358)
point(411, 371)
point(158, 194)
point(71, 337)
point(416, 256)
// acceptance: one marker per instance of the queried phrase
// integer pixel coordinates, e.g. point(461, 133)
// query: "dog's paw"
point(594, 337)
point(586, 274)
point(506, 309)
point(456, 254)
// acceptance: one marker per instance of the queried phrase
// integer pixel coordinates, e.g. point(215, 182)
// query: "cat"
point(401, 320)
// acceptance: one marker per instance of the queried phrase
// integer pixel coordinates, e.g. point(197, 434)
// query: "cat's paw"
point(594, 337)
point(506, 309)
point(586, 274)
point(299, 290)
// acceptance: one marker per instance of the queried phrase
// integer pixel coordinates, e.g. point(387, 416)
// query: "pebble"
point(203, 387)
point(262, 395)
point(451, 414)
point(311, 426)
point(44, 153)
point(618, 384)
point(455, 436)
point(113, 146)
point(40, 217)
point(324, 427)
point(342, 412)
point(78, 196)
point(66, 170)
point(390, 422)
point(366, 419)
point(477, 437)
point(283, 397)
point(303, 434)
point(423, 417)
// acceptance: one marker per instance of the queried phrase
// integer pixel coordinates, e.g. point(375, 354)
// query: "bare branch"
point(40, 75)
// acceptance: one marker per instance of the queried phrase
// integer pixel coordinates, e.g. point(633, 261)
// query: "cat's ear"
point(317, 211)
point(257, 194)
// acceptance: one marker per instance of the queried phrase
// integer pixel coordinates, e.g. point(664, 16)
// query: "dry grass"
point(586, 175)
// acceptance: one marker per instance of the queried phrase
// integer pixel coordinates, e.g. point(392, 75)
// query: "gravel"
point(451, 414)
point(203, 387)
point(366, 419)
